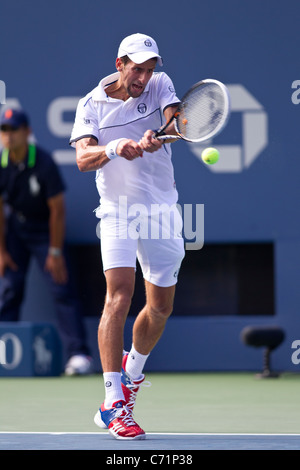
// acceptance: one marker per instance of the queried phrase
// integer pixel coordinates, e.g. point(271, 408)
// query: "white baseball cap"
point(139, 48)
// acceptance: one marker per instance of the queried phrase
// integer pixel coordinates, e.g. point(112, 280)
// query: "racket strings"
point(202, 111)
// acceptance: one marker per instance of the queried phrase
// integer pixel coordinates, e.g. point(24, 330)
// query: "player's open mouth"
point(137, 87)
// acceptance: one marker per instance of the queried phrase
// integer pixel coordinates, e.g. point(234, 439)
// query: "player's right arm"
point(90, 156)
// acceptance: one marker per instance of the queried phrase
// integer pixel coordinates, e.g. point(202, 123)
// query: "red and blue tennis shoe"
point(119, 419)
point(119, 422)
point(131, 387)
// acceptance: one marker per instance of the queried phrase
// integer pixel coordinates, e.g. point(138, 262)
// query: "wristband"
point(53, 251)
point(111, 148)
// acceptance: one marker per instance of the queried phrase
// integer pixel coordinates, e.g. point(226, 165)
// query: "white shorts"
point(156, 242)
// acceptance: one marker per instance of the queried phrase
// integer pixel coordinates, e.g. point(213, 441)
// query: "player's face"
point(136, 76)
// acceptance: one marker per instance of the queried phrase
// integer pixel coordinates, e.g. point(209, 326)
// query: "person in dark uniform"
point(32, 224)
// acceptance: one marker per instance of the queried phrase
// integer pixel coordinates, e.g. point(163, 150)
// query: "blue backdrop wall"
point(52, 53)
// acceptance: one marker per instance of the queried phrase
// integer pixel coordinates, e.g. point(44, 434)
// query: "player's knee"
point(118, 303)
point(161, 311)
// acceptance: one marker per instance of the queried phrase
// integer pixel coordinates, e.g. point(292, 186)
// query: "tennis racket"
point(202, 114)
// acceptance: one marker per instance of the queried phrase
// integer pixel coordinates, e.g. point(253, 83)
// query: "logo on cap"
point(8, 114)
point(148, 43)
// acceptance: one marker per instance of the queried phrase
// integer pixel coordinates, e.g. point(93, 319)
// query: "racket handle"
point(167, 137)
point(161, 130)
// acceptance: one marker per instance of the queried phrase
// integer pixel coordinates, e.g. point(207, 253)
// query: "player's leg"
point(118, 253)
point(119, 291)
point(113, 413)
point(160, 260)
point(147, 330)
point(119, 262)
point(151, 321)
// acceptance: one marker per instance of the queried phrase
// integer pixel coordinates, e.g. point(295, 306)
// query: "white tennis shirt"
point(148, 180)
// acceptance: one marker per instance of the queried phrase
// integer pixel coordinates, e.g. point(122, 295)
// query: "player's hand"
point(6, 261)
point(129, 149)
point(56, 266)
point(149, 143)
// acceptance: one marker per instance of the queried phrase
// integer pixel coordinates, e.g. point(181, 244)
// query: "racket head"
point(204, 111)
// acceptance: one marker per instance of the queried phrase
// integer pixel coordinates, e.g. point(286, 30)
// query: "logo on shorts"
point(142, 108)
point(176, 273)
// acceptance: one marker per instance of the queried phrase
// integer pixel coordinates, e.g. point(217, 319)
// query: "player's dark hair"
point(125, 59)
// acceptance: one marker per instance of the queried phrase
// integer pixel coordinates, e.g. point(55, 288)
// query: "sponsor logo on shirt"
point(142, 108)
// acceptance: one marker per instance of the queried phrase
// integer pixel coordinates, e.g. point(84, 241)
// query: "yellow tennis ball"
point(210, 155)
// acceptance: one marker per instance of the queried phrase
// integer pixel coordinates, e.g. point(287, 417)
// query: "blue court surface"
point(153, 442)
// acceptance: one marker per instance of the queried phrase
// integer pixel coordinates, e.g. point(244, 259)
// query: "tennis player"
point(114, 135)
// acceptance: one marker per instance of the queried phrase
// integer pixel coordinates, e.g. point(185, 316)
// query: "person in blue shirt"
point(32, 224)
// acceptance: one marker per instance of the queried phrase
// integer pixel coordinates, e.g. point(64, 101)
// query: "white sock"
point(113, 388)
point(135, 363)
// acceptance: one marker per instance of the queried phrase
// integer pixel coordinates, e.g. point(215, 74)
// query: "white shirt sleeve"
point(86, 121)
point(166, 91)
